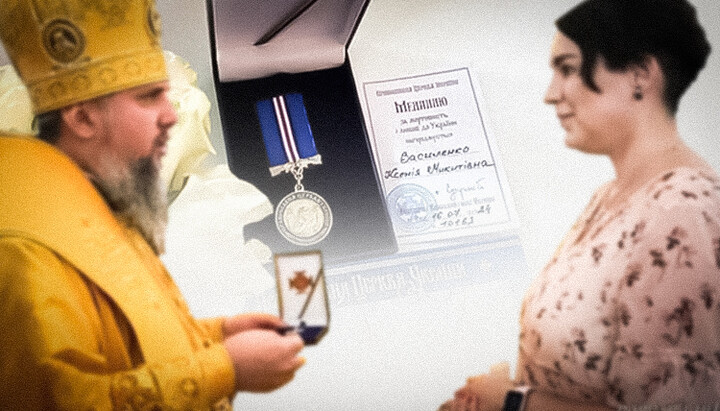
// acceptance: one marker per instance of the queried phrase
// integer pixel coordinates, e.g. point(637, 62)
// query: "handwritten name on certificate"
point(433, 154)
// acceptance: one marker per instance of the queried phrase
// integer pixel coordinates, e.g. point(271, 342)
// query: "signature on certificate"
point(457, 192)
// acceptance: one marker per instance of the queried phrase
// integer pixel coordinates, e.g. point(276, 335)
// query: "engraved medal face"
point(303, 218)
point(63, 41)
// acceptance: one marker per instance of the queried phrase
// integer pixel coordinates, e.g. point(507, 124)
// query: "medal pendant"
point(303, 218)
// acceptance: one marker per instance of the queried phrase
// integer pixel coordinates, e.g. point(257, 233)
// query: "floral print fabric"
point(628, 310)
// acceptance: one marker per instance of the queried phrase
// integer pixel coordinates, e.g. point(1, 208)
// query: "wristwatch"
point(516, 399)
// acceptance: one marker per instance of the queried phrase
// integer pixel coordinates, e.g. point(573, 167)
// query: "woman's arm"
point(540, 401)
point(486, 392)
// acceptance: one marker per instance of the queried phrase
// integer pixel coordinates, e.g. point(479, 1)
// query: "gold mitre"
point(67, 51)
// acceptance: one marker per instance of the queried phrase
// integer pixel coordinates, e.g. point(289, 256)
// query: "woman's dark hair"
point(626, 32)
point(48, 126)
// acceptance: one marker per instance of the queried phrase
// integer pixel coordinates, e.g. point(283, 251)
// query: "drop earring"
point(637, 94)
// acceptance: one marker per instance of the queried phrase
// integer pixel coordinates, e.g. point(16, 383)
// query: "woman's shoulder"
point(685, 187)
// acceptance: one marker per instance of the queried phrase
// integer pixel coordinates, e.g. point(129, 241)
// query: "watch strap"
point(516, 398)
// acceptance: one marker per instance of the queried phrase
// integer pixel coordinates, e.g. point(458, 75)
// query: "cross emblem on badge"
point(300, 282)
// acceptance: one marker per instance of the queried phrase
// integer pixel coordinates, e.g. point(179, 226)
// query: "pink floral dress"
point(628, 310)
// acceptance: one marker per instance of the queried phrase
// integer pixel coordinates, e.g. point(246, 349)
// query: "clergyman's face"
point(595, 122)
point(134, 129)
point(137, 121)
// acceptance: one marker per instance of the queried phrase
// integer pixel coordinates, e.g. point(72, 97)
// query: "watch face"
point(513, 401)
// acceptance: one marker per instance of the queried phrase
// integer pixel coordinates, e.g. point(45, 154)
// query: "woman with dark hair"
point(627, 312)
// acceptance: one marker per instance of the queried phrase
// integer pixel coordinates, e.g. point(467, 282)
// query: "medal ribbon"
point(288, 139)
point(290, 148)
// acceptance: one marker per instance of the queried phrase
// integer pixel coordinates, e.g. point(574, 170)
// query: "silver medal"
point(303, 218)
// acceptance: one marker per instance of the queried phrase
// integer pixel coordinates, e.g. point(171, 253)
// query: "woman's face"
point(595, 122)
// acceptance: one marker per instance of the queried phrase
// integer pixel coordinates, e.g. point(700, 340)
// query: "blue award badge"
point(302, 217)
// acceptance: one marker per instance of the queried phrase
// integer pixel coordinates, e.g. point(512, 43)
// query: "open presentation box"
point(309, 57)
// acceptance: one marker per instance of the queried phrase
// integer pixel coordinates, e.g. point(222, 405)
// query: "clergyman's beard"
point(137, 197)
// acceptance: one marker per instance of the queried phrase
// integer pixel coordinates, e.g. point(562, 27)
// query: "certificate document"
point(434, 157)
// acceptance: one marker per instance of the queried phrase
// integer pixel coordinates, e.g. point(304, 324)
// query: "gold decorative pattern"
point(47, 9)
point(190, 387)
point(131, 394)
point(114, 12)
point(67, 51)
point(102, 77)
point(223, 405)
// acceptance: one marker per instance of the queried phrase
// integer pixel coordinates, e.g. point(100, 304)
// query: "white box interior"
point(315, 40)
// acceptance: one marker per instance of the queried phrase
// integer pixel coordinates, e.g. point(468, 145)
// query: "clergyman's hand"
point(251, 321)
point(264, 360)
